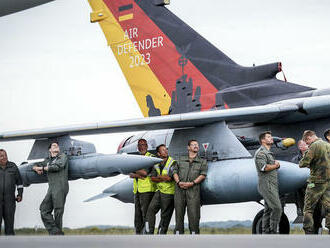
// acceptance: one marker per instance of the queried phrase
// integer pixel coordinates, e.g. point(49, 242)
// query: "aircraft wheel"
point(257, 224)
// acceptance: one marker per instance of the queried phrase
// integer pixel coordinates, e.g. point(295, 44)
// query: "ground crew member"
point(56, 166)
point(9, 179)
point(163, 199)
point(317, 159)
point(190, 171)
point(144, 190)
point(303, 147)
point(267, 167)
point(327, 135)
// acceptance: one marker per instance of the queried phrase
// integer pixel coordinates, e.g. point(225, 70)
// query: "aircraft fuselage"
point(232, 180)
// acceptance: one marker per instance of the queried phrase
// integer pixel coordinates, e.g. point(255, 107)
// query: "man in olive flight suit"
point(143, 190)
point(267, 167)
point(163, 199)
point(56, 167)
point(188, 173)
point(9, 179)
point(317, 159)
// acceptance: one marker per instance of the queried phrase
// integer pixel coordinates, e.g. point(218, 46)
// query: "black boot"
point(273, 227)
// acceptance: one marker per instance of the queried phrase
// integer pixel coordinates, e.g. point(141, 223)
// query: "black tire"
point(284, 224)
point(257, 224)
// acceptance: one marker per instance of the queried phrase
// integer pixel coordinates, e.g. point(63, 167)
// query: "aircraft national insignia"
point(205, 146)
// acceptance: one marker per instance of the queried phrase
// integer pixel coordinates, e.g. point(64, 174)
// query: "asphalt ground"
point(169, 241)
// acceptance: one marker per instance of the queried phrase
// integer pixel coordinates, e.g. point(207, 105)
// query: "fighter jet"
point(187, 88)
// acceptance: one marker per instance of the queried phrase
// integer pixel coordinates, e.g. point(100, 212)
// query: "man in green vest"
point(317, 159)
point(144, 189)
point(163, 199)
point(188, 174)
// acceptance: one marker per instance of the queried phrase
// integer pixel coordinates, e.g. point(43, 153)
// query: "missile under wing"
point(84, 162)
point(93, 165)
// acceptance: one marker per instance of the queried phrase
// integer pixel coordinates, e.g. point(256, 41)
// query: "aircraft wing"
point(12, 6)
point(293, 110)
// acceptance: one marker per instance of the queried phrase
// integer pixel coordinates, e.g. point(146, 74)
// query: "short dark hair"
point(158, 147)
point(50, 145)
point(326, 134)
point(192, 140)
point(263, 135)
point(3, 150)
point(308, 133)
point(143, 140)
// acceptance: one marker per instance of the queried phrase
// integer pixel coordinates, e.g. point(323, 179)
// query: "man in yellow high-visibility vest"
point(144, 189)
point(163, 199)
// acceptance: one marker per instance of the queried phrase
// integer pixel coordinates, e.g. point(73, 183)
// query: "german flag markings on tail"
point(161, 77)
point(125, 16)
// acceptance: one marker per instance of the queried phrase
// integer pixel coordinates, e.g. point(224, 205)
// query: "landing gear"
point(257, 224)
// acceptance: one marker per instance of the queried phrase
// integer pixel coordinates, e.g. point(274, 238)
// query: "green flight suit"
point(268, 188)
point(317, 216)
point(317, 159)
point(144, 190)
point(9, 179)
point(58, 188)
point(162, 200)
point(188, 198)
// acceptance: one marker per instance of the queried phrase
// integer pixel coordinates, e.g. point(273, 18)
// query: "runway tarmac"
point(169, 241)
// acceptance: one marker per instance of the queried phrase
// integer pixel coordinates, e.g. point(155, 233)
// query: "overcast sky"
point(56, 69)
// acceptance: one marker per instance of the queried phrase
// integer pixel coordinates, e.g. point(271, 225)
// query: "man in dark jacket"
point(56, 167)
point(9, 179)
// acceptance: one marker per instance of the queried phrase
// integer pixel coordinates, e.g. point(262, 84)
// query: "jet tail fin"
point(169, 67)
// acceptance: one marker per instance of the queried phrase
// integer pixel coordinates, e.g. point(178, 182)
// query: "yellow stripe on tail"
point(141, 79)
point(126, 17)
